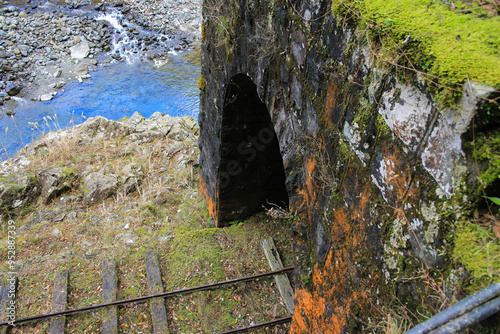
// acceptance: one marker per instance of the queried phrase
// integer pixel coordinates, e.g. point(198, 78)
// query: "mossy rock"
point(450, 45)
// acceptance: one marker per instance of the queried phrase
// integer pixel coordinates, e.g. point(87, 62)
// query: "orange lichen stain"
point(271, 110)
point(212, 207)
point(332, 93)
point(397, 176)
point(309, 191)
point(340, 284)
point(329, 284)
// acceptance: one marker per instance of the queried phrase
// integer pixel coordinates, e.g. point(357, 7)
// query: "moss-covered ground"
point(192, 255)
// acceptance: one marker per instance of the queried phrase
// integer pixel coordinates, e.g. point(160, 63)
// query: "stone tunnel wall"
point(371, 161)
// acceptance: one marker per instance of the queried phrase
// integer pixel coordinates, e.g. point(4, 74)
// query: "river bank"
point(45, 45)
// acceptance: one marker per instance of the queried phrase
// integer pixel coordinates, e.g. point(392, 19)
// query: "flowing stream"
point(117, 90)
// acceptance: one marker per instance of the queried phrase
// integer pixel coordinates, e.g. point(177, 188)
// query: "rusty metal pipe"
point(264, 324)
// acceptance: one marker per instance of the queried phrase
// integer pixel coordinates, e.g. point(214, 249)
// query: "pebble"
point(56, 232)
point(33, 39)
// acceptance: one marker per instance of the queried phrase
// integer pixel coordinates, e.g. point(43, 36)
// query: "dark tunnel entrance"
point(251, 174)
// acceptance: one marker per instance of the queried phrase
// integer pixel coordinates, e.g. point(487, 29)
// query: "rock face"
point(368, 161)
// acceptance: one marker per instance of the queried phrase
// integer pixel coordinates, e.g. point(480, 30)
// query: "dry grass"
point(164, 213)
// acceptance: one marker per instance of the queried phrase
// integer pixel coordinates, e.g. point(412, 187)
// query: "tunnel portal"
point(251, 176)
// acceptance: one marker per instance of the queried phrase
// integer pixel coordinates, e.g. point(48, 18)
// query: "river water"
point(114, 91)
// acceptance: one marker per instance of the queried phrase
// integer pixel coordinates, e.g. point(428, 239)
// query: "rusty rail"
point(263, 324)
point(144, 298)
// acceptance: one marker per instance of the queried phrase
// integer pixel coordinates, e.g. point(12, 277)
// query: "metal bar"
point(144, 298)
point(460, 308)
point(476, 315)
point(264, 324)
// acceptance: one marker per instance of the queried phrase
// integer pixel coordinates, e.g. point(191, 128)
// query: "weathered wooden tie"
point(109, 314)
point(59, 300)
point(282, 280)
point(7, 294)
point(155, 286)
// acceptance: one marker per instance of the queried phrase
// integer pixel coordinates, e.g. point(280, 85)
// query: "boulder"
point(13, 89)
point(131, 177)
point(17, 190)
point(56, 181)
point(81, 69)
point(191, 124)
point(97, 187)
point(56, 233)
point(47, 97)
point(135, 119)
point(180, 132)
point(80, 50)
point(100, 126)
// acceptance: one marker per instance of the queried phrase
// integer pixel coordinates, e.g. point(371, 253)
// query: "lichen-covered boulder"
point(17, 190)
point(130, 177)
point(98, 186)
point(56, 181)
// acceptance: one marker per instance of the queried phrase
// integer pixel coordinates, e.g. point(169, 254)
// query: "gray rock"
point(81, 69)
point(17, 190)
point(191, 125)
point(59, 218)
point(81, 50)
point(164, 238)
point(95, 125)
point(56, 232)
point(72, 215)
point(97, 187)
point(135, 119)
point(13, 90)
point(56, 181)
point(131, 177)
point(9, 9)
point(47, 97)
point(175, 148)
point(180, 132)
point(86, 244)
point(126, 237)
point(59, 85)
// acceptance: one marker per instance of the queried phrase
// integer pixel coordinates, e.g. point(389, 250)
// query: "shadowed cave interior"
point(251, 176)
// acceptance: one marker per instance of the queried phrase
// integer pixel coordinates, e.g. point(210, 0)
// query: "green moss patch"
point(478, 249)
point(488, 150)
point(448, 43)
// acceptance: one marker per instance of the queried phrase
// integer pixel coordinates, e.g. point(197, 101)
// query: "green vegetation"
point(487, 152)
point(478, 250)
point(162, 211)
point(448, 45)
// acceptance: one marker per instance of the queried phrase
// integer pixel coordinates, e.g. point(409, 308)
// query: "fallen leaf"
point(496, 229)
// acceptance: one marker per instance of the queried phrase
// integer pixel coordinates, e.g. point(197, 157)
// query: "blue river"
point(113, 91)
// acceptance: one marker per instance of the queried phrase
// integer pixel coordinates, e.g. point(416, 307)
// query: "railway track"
point(156, 297)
